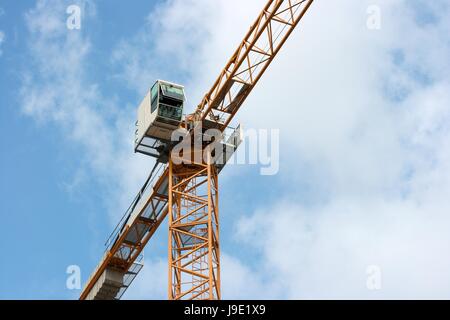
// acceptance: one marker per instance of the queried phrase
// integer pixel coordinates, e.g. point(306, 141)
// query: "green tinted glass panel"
point(154, 91)
point(153, 96)
point(170, 112)
point(172, 91)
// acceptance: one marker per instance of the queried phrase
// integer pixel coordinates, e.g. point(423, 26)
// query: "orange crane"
point(183, 184)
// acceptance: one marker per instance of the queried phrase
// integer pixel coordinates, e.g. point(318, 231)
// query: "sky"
point(360, 94)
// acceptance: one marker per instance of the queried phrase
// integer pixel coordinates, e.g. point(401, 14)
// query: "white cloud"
point(178, 37)
point(240, 281)
point(151, 282)
point(324, 252)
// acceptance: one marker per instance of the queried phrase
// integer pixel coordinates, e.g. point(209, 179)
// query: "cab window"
point(154, 96)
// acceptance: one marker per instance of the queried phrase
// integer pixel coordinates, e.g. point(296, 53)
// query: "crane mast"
point(185, 187)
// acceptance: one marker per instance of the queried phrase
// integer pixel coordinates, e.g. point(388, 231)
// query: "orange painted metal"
point(194, 255)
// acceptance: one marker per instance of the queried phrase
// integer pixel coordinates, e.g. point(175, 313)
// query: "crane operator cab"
point(159, 114)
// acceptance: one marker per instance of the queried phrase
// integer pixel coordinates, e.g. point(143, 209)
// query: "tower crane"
point(190, 152)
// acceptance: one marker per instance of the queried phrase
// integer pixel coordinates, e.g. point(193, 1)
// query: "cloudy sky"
point(362, 105)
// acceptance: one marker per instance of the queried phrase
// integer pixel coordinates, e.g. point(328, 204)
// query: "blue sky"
point(363, 145)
